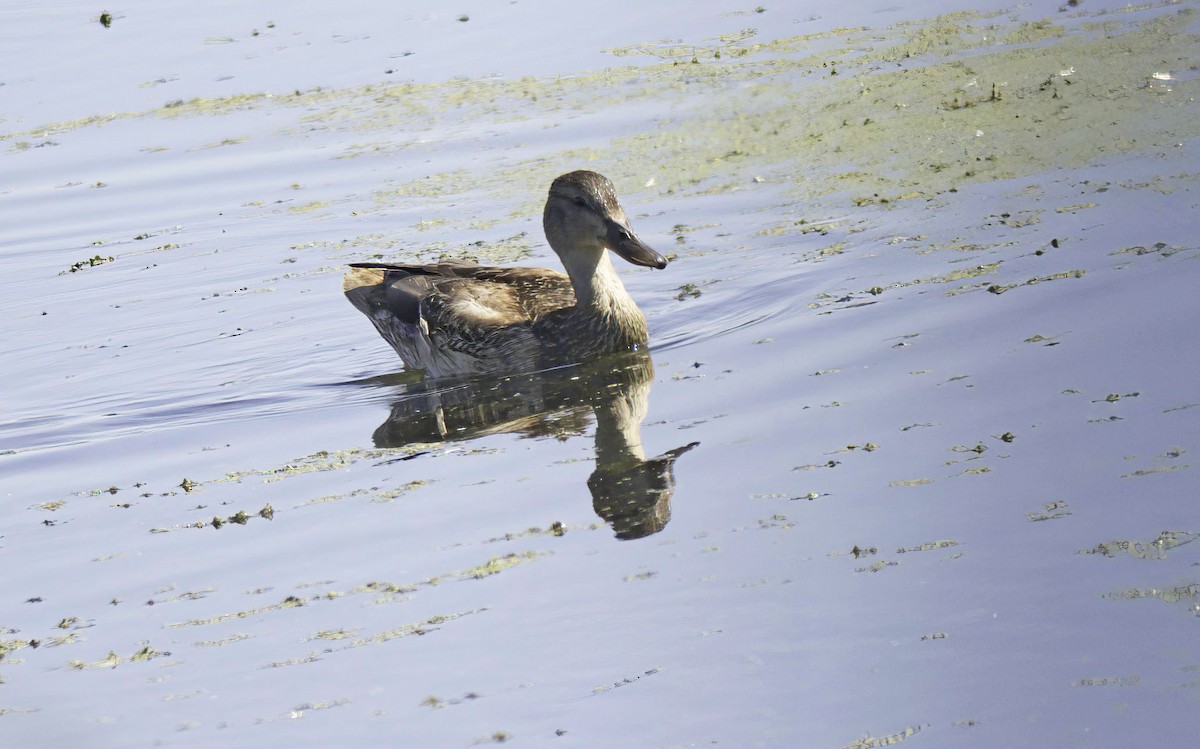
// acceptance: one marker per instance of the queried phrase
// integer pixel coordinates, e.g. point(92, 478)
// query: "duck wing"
point(456, 295)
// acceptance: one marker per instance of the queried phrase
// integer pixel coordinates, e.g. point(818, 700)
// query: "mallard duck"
point(456, 318)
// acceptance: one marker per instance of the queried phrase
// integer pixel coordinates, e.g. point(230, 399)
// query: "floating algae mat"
point(910, 458)
point(906, 111)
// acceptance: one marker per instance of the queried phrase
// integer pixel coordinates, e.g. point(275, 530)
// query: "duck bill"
point(626, 244)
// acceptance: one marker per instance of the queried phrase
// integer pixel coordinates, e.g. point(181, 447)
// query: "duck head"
point(583, 215)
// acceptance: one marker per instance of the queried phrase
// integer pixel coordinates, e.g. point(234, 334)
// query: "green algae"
point(959, 275)
point(1001, 288)
point(877, 566)
point(1023, 97)
point(945, 543)
point(1181, 593)
point(333, 634)
point(875, 742)
point(421, 627)
point(1159, 248)
point(391, 495)
point(221, 642)
point(288, 602)
point(496, 565)
point(1108, 681)
point(320, 461)
point(1156, 549)
point(112, 660)
point(384, 592)
point(313, 206)
point(223, 142)
point(1152, 471)
point(910, 482)
point(556, 528)
point(91, 262)
point(1050, 511)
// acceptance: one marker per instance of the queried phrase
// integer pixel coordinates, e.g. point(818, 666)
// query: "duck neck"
point(596, 281)
point(600, 295)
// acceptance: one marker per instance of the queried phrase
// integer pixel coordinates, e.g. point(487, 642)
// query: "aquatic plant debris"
point(91, 262)
point(840, 194)
point(897, 110)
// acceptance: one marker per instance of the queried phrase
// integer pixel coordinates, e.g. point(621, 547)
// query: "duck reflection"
point(629, 491)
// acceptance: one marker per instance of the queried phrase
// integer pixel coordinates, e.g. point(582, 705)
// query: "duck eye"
point(579, 201)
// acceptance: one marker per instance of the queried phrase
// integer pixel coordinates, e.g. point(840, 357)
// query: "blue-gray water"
point(929, 320)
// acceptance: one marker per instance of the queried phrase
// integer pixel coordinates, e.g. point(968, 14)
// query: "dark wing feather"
point(464, 295)
point(538, 291)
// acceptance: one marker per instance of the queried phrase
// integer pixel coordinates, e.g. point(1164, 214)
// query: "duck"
point(455, 318)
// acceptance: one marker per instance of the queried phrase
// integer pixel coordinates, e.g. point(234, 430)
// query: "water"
point(915, 464)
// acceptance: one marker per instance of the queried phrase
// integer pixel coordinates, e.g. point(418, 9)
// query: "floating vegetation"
point(1108, 681)
point(224, 641)
point(964, 101)
point(437, 703)
point(385, 591)
point(877, 566)
point(11, 646)
point(1038, 338)
point(143, 654)
point(1072, 209)
point(289, 602)
point(1001, 288)
point(624, 682)
point(326, 460)
point(225, 142)
point(1025, 218)
point(556, 529)
point(911, 482)
point(1156, 549)
point(875, 742)
point(312, 206)
point(929, 546)
point(877, 118)
point(815, 466)
point(1151, 471)
point(1050, 511)
point(978, 449)
point(959, 275)
point(423, 627)
point(496, 565)
point(646, 575)
point(775, 521)
point(1170, 595)
point(1159, 248)
point(241, 517)
point(333, 634)
point(866, 447)
point(147, 653)
point(859, 131)
point(91, 262)
point(394, 494)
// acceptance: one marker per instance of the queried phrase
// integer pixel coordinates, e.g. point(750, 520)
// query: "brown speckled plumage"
point(459, 318)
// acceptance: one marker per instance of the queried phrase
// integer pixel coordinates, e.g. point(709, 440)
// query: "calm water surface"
point(912, 457)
